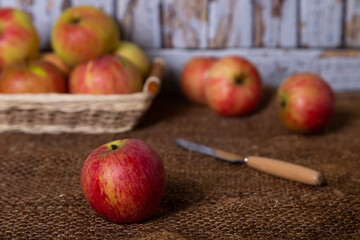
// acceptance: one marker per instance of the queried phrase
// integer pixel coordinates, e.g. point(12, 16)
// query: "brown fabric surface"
point(40, 193)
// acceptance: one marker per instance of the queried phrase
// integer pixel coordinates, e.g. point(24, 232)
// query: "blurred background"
point(280, 36)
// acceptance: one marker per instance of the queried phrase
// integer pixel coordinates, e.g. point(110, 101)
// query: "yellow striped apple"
point(135, 54)
point(305, 103)
point(109, 74)
point(32, 77)
point(233, 87)
point(54, 59)
point(124, 180)
point(19, 40)
point(193, 78)
point(83, 33)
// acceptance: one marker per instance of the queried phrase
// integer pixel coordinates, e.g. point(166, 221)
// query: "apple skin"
point(54, 59)
point(233, 87)
point(19, 40)
point(109, 74)
point(135, 54)
point(124, 181)
point(83, 33)
point(305, 103)
point(193, 77)
point(34, 77)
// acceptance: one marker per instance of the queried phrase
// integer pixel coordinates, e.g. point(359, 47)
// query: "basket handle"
point(153, 81)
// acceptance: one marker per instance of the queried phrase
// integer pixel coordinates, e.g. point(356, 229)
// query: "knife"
point(275, 167)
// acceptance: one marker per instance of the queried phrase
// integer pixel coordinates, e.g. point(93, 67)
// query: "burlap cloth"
point(41, 198)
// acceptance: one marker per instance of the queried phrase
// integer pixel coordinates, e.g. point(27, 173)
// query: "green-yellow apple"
point(233, 87)
point(193, 77)
point(135, 54)
point(305, 103)
point(83, 33)
point(19, 40)
point(54, 59)
point(109, 74)
point(124, 180)
point(33, 77)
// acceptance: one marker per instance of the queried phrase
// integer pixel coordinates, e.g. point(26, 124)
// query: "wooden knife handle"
point(285, 170)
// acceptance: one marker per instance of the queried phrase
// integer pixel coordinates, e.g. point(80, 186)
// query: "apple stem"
point(75, 20)
point(113, 147)
point(240, 79)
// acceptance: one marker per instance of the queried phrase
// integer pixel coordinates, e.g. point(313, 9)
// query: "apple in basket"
point(109, 74)
point(83, 33)
point(54, 59)
point(124, 180)
point(233, 87)
point(18, 38)
point(34, 77)
point(305, 103)
point(193, 77)
point(135, 54)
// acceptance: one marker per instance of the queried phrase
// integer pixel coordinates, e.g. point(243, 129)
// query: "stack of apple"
point(88, 56)
point(232, 86)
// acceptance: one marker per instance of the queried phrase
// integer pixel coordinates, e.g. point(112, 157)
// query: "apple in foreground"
point(233, 87)
point(193, 77)
point(109, 74)
point(124, 180)
point(34, 77)
point(135, 54)
point(305, 103)
point(83, 33)
point(19, 40)
point(54, 59)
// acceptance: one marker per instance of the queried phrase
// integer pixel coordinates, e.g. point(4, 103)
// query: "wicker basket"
point(57, 113)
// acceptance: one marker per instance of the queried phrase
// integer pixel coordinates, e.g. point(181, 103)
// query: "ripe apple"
point(56, 61)
point(193, 78)
point(83, 33)
point(305, 103)
point(109, 74)
point(18, 38)
point(33, 77)
point(135, 54)
point(124, 180)
point(233, 87)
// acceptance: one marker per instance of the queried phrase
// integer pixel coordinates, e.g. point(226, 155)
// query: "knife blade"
point(212, 152)
point(275, 167)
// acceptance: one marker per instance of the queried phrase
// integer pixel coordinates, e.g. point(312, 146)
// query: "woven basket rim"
point(68, 97)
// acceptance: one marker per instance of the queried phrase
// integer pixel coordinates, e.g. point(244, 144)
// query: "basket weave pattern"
point(93, 115)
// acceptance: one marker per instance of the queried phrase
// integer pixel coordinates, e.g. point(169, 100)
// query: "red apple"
point(109, 74)
point(33, 77)
point(83, 33)
point(135, 54)
point(56, 61)
point(18, 38)
point(305, 103)
point(124, 181)
point(193, 78)
point(233, 87)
